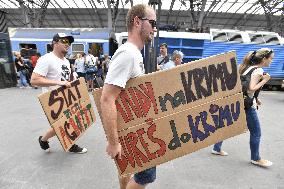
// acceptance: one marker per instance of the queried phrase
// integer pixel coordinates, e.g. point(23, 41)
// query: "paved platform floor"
point(23, 165)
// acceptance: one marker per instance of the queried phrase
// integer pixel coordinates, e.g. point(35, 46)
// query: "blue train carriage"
point(29, 41)
point(191, 44)
point(200, 45)
point(243, 42)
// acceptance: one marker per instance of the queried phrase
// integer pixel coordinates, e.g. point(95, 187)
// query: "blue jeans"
point(145, 177)
point(255, 132)
point(217, 146)
point(23, 79)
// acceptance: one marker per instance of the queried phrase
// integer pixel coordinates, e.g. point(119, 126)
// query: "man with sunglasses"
point(53, 70)
point(126, 63)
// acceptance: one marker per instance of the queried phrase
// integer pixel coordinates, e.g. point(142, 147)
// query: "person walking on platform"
point(126, 63)
point(22, 69)
point(79, 65)
point(253, 60)
point(53, 70)
point(91, 63)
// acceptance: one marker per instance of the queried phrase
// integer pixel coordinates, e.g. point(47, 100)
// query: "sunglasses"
point(152, 22)
point(64, 41)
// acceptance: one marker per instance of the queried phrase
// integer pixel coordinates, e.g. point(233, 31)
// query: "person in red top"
point(34, 59)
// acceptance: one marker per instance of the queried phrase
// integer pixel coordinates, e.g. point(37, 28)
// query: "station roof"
point(271, 11)
point(224, 6)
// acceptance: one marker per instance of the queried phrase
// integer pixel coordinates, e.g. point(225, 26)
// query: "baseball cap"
point(58, 36)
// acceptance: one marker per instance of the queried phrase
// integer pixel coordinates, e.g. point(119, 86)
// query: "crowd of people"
point(53, 69)
point(88, 66)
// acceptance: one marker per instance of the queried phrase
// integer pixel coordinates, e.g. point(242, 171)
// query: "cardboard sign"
point(189, 107)
point(69, 111)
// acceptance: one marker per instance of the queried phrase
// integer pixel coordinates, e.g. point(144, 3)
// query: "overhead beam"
point(236, 11)
point(72, 13)
point(245, 13)
point(170, 10)
point(42, 13)
point(96, 11)
point(201, 16)
point(90, 14)
point(64, 14)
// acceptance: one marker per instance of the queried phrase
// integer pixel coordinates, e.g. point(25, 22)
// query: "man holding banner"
point(126, 63)
point(53, 70)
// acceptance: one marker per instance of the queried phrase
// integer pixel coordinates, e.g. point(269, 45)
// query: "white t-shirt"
point(91, 60)
point(79, 65)
point(126, 63)
point(54, 68)
point(170, 64)
point(257, 71)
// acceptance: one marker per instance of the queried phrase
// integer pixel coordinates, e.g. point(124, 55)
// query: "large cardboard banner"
point(167, 114)
point(69, 111)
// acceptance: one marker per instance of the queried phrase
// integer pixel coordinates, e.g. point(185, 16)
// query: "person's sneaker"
point(77, 149)
point(43, 144)
point(221, 153)
point(262, 163)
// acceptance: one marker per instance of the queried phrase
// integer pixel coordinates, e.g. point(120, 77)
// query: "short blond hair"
point(137, 10)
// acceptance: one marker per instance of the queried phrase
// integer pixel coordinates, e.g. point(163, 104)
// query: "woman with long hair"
point(253, 60)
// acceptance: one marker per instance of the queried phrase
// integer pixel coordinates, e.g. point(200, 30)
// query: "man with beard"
point(126, 63)
point(53, 70)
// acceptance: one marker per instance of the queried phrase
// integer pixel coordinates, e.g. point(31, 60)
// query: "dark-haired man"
point(53, 70)
point(164, 56)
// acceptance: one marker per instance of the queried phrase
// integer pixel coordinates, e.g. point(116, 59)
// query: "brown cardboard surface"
point(69, 111)
point(165, 92)
point(56, 101)
point(69, 129)
point(171, 113)
point(167, 138)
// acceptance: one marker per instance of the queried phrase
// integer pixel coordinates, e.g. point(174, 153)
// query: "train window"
point(27, 50)
point(77, 48)
point(256, 38)
point(271, 39)
point(235, 37)
point(49, 48)
point(219, 36)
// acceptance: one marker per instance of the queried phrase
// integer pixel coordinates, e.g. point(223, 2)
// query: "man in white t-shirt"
point(53, 70)
point(126, 63)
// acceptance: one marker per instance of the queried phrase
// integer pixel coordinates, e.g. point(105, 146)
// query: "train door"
point(96, 49)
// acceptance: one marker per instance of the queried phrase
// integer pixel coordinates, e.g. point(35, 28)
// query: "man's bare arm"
point(109, 113)
point(39, 80)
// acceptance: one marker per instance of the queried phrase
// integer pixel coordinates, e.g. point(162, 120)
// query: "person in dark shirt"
point(22, 69)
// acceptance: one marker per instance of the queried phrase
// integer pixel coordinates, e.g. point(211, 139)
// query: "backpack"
point(245, 81)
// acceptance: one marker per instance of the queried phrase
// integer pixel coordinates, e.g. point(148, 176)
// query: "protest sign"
point(167, 114)
point(69, 111)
